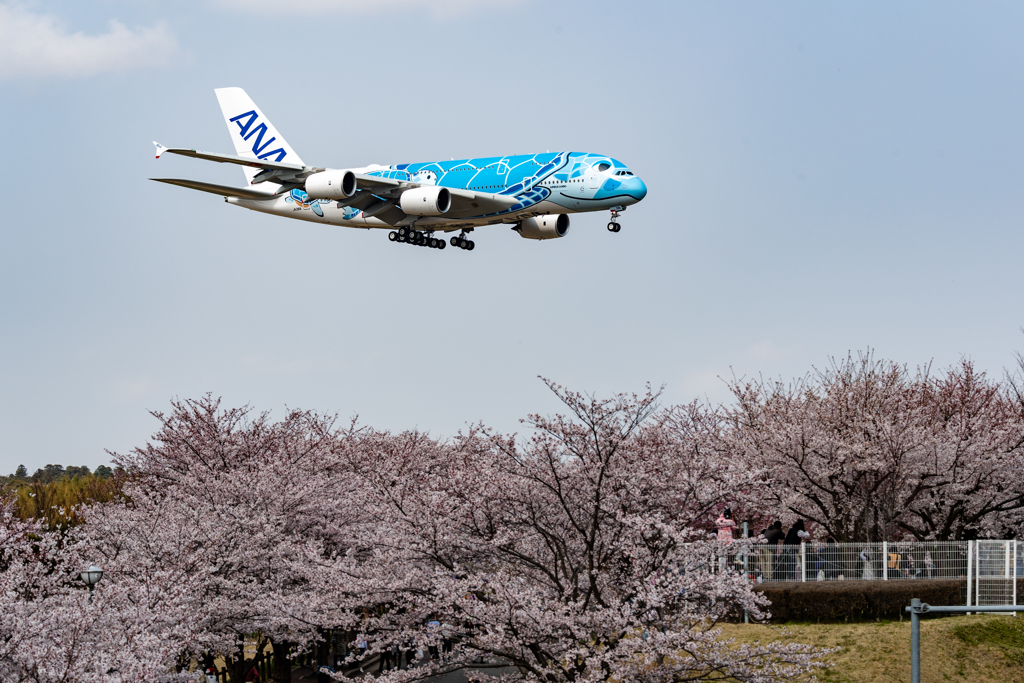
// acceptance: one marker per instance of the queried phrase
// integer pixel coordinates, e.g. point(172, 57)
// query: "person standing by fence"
point(867, 566)
point(833, 568)
point(774, 535)
point(726, 524)
point(791, 544)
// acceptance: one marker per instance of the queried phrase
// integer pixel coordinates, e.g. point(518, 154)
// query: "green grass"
point(1005, 634)
point(984, 648)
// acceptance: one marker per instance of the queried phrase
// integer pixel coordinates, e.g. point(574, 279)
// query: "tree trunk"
point(323, 654)
point(282, 665)
point(238, 666)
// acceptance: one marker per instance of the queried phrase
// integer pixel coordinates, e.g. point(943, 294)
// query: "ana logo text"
point(247, 130)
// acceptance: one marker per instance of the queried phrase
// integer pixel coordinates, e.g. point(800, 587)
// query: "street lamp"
point(91, 577)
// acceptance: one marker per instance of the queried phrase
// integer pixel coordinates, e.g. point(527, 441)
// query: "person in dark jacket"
point(832, 558)
point(792, 540)
point(774, 535)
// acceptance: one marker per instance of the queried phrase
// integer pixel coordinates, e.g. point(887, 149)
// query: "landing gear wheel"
point(441, 244)
point(403, 233)
point(454, 241)
point(614, 226)
point(393, 236)
point(433, 243)
point(420, 239)
point(472, 245)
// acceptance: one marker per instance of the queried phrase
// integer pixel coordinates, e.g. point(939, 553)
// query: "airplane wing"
point(378, 197)
point(468, 203)
point(375, 196)
point(222, 190)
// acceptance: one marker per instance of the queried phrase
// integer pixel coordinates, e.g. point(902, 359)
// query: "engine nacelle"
point(544, 227)
point(426, 201)
point(331, 185)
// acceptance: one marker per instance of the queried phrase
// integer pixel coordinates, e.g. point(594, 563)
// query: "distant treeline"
point(55, 494)
point(52, 473)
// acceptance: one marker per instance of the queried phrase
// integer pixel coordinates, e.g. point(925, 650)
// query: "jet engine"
point(426, 201)
point(331, 185)
point(544, 227)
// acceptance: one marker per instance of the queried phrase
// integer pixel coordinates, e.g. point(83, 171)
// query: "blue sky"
point(823, 178)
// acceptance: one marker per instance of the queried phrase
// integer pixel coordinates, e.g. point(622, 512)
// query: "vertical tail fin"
point(253, 134)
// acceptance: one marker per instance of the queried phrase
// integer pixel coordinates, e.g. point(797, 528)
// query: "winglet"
point(160, 149)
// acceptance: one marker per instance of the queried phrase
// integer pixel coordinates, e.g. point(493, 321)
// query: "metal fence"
point(990, 568)
point(858, 561)
point(995, 575)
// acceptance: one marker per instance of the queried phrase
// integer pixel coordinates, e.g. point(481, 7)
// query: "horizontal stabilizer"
point(226, 158)
point(222, 190)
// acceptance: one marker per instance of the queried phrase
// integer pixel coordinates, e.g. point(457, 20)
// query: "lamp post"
point(91, 577)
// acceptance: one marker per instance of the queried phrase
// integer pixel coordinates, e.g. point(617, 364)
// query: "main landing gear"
point(420, 239)
point(462, 243)
point(614, 225)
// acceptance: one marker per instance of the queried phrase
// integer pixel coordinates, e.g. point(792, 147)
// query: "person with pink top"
point(725, 524)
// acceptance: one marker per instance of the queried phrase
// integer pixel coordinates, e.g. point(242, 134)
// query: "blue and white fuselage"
point(533, 193)
point(549, 183)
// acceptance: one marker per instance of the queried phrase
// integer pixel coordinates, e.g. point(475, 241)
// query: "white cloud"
point(40, 46)
point(313, 7)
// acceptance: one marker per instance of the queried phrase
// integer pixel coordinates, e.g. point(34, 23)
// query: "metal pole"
point(915, 641)
point(1013, 574)
point(885, 560)
point(746, 568)
point(969, 549)
point(977, 573)
point(917, 608)
point(803, 561)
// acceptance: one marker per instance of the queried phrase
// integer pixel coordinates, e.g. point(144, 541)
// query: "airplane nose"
point(636, 188)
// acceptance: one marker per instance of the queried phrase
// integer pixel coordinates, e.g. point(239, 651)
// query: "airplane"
point(533, 193)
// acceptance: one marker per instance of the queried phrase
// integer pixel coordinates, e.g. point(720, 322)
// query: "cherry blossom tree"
point(573, 554)
point(968, 476)
point(869, 451)
point(565, 556)
point(230, 500)
point(52, 630)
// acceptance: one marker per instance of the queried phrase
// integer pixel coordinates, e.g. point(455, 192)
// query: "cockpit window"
point(623, 173)
point(603, 167)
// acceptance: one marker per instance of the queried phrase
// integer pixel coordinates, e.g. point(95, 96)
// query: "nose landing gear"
point(614, 226)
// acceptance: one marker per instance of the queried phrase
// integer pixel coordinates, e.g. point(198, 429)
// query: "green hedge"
point(846, 601)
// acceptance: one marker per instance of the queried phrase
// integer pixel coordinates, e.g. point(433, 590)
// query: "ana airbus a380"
point(534, 193)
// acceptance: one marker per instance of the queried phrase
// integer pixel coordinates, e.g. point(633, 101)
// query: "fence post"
point(970, 568)
point(803, 561)
point(977, 573)
point(915, 641)
point(885, 560)
point(746, 568)
point(1013, 574)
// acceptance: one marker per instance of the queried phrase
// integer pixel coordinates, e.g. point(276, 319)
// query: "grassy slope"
point(980, 649)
